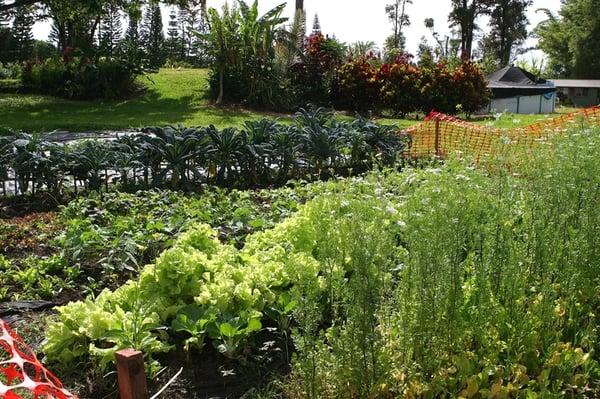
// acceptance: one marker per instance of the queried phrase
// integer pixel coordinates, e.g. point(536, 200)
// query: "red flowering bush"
point(313, 77)
point(438, 90)
point(357, 85)
point(452, 91)
point(361, 84)
point(401, 82)
point(471, 85)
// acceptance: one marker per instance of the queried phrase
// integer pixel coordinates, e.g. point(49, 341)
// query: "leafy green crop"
point(231, 288)
point(449, 281)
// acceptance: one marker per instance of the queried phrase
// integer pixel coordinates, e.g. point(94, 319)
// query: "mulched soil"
point(28, 235)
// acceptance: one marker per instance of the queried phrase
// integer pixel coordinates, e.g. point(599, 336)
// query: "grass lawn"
point(173, 97)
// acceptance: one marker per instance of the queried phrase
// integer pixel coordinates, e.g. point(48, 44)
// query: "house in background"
point(517, 91)
point(581, 93)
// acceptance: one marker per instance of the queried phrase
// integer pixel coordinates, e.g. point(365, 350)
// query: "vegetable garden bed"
point(441, 281)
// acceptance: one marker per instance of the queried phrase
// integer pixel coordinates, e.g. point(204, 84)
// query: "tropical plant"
point(242, 45)
point(225, 151)
point(176, 146)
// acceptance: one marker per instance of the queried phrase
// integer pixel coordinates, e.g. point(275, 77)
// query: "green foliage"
point(82, 78)
point(313, 76)
point(242, 46)
point(99, 242)
point(508, 22)
point(232, 287)
point(10, 70)
point(446, 281)
point(572, 49)
point(489, 285)
point(403, 87)
point(262, 153)
point(153, 36)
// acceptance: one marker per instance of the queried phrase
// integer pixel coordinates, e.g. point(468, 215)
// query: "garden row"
point(446, 281)
point(100, 241)
point(262, 153)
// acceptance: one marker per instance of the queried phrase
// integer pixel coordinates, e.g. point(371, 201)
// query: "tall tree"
point(6, 39)
point(174, 44)
point(425, 54)
point(316, 25)
point(111, 31)
point(571, 39)
point(397, 15)
point(448, 46)
point(4, 16)
point(464, 16)
point(153, 35)
point(508, 30)
point(22, 32)
point(76, 21)
point(192, 19)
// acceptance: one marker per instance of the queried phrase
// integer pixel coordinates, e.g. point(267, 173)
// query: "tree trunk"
point(299, 5)
point(221, 88)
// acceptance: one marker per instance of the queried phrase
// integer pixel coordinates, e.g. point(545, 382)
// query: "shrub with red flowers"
point(313, 77)
point(401, 81)
point(357, 85)
point(471, 84)
point(438, 90)
point(451, 91)
point(403, 87)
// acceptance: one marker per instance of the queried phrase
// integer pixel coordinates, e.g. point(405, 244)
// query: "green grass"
point(173, 97)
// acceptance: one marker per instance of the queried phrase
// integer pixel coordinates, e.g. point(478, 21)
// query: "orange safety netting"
point(441, 135)
point(22, 375)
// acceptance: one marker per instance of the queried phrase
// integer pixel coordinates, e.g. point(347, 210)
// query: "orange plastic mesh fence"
point(22, 375)
point(441, 135)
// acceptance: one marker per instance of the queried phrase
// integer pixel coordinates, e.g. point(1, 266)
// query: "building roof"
point(511, 77)
point(577, 83)
point(510, 82)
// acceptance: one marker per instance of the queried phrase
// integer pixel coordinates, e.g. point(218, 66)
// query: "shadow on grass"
point(42, 113)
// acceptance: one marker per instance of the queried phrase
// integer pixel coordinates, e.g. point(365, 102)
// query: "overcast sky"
point(353, 20)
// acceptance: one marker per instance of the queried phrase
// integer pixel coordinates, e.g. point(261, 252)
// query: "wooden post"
point(130, 371)
point(438, 151)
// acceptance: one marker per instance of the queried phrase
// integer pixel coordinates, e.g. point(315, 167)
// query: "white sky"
point(353, 20)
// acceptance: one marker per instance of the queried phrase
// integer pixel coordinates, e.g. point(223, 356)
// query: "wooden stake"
point(132, 378)
point(438, 152)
